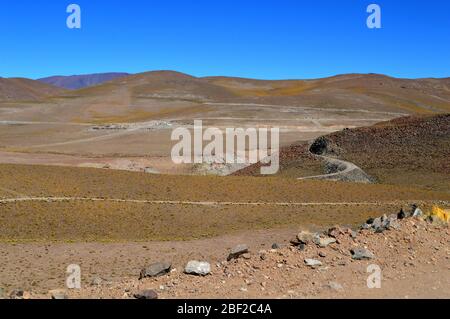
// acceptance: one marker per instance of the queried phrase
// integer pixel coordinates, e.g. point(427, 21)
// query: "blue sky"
point(270, 39)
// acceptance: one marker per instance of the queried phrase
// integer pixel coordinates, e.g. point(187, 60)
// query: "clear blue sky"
point(270, 39)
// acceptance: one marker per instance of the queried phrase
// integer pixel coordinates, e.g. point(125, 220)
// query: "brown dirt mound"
point(410, 151)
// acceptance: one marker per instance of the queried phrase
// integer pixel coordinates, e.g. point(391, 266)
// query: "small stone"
point(147, 294)
point(155, 270)
point(237, 251)
point(198, 268)
point(334, 232)
point(322, 254)
point(418, 213)
point(247, 256)
point(276, 246)
point(361, 253)
point(370, 221)
point(401, 214)
point(353, 234)
point(16, 294)
point(394, 224)
point(306, 237)
point(243, 289)
point(58, 294)
point(313, 263)
point(323, 242)
point(301, 247)
point(2, 293)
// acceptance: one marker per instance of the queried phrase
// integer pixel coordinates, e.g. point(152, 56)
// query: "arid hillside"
point(74, 82)
point(18, 89)
point(411, 151)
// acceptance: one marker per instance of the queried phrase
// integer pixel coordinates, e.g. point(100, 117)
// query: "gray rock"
point(237, 251)
point(306, 237)
point(199, 268)
point(313, 263)
point(147, 294)
point(323, 242)
point(394, 224)
point(2, 293)
point(353, 234)
point(418, 213)
point(377, 223)
point(276, 246)
point(155, 270)
point(361, 253)
point(16, 294)
point(334, 232)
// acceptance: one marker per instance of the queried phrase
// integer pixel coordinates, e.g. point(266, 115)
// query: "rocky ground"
point(411, 253)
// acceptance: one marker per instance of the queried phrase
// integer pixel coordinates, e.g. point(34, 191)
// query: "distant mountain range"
point(372, 92)
point(75, 82)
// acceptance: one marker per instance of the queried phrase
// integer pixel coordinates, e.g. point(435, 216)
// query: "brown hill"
point(411, 151)
point(371, 91)
point(19, 89)
point(74, 82)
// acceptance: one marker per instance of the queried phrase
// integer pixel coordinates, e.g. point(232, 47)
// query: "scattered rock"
point(361, 253)
point(334, 232)
point(323, 242)
point(313, 263)
point(353, 234)
point(322, 254)
point(370, 221)
point(401, 215)
point(58, 294)
point(276, 246)
point(418, 213)
point(2, 293)
point(155, 270)
point(16, 294)
point(198, 268)
point(305, 237)
point(147, 294)
point(301, 247)
point(237, 251)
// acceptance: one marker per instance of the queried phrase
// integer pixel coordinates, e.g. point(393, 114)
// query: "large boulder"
point(198, 268)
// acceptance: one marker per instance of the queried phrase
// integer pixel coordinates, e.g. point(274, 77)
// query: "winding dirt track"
point(341, 174)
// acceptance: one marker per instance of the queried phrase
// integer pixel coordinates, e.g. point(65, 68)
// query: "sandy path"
point(206, 203)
